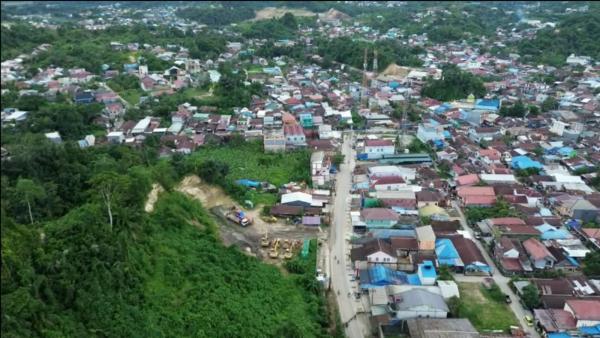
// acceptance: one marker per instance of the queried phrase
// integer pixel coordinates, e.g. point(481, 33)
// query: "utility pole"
point(365, 81)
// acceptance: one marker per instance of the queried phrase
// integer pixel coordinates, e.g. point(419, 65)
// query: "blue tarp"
point(248, 183)
point(380, 275)
point(573, 224)
point(559, 335)
point(590, 330)
point(553, 233)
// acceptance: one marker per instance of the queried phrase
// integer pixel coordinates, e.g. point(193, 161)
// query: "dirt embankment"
point(277, 12)
point(248, 238)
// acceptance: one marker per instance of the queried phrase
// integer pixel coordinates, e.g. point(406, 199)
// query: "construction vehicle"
point(264, 241)
point(288, 254)
point(269, 219)
point(238, 217)
point(274, 252)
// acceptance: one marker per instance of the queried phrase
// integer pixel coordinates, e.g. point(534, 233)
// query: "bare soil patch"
point(277, 12)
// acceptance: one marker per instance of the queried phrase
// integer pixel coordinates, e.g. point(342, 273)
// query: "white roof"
point(53, 134)
point(384, 169)
point(497, 177)
point(115, 134)
point(296, 196)
point(141, 126)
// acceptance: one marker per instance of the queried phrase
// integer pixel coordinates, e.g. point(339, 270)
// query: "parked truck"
point(239, 217)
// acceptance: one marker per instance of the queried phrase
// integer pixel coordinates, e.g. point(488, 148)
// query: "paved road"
point(501, 280)
point(358, 324)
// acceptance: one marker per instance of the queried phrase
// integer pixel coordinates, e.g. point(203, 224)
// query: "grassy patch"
point(132, 95)
point(191, 93)
point(255, 69)
point(248, 160)
point(484, 313)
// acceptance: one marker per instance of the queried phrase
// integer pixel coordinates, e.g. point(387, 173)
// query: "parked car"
point(528, 320)
point(507, 298)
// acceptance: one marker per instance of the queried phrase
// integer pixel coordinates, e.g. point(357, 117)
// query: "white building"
point(116, 137)
point(54, 137)
point(379, 147)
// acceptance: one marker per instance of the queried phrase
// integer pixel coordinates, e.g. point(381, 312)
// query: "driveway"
point(501, 280)
point(351, 311)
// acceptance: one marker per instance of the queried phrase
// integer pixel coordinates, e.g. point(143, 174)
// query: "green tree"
point(549, 104)
point(454, 84)
point(454, 305)
point(30, 192)
point(213, 171)
point(534, 110)
point(110, 186)
point(531, 296)
point(591, 264)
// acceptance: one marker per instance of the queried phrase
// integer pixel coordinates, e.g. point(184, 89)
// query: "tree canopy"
point(454, 84)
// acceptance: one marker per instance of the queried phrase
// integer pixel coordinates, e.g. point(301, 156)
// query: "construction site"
point(268, 238)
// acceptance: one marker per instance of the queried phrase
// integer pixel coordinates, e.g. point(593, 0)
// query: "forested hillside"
point(165, 274)
point(575, 34)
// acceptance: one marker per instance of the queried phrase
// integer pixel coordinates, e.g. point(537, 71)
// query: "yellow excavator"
point(274, 253)
point(289, 252)
point(264, 241)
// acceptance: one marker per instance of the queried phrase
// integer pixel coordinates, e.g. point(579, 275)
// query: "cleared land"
point(277, 12)
point(485, 313)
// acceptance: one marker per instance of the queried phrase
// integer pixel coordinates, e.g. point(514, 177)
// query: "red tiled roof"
point(507, 221)
point(475, 191)
point(536, 249)
point(592, 232)
point(479, 200)
point(293, 130)
point(467, 179)
point(585, 309)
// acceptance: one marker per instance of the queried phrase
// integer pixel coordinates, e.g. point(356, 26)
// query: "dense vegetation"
point(81, 48)
point(161, 275)
point(454, 84)
point(216, 16)
point(500, 209)
point(351, 52)
point(575, 34)
point(282, 28)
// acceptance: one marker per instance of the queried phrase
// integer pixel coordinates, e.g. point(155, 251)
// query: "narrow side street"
point(499, 279)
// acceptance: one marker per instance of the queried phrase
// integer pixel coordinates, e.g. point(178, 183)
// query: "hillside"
point(575, 34)
point(164, 274)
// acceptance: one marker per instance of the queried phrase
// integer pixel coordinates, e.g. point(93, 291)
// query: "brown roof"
point(555, 320)
point(553, 286)
point(291, 210)
point(379, 214)
point(445, 226)
point(404, 243)
point(585, 309)
point(467, 250)
point(428, 196)
point(371, 247)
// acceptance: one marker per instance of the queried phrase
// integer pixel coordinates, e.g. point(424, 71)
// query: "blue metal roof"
point(446, 252)
point(524, 162)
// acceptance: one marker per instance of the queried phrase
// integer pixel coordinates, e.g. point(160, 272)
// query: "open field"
point(483, 312)
point(277, 12)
